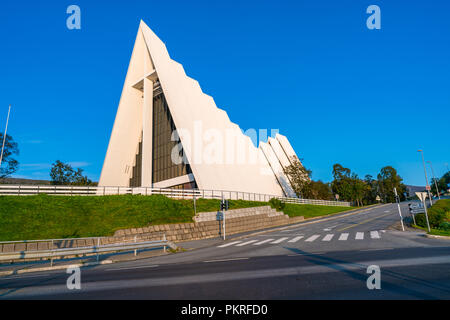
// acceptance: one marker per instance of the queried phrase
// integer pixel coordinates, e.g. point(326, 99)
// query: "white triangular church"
point(169, 134)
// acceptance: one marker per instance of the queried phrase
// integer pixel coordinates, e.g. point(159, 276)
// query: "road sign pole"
point(399, 210)
point(423, 196)
point(223, 216)
point(426, 215)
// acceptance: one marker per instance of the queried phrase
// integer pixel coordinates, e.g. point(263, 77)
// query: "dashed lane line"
point(359, 236)
point(343, 237)
point(312, 238)
point(262, 242)
point(279, 240)
point(229, 244)
point(374, 235)
point(245, 243)
point(295, 239)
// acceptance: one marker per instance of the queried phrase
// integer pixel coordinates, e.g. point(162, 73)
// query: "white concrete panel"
point(127, 129)
point(277, 169)
point(287, 148)
point(279, 152)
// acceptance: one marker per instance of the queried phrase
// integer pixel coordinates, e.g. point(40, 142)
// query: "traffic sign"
point(428, 188)
point(421, 195)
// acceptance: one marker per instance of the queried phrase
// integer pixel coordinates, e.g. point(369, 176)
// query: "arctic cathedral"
point(169, 134)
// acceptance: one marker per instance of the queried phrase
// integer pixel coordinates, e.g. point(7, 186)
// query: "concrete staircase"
point(239, 213)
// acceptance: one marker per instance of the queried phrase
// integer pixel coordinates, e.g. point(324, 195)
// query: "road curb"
point(434, 236)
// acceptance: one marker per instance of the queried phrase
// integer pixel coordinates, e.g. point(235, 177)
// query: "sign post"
point(398, 206)
point(223, 208)
point(422, 196)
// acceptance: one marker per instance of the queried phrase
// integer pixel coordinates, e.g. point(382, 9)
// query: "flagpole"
point(4, 136)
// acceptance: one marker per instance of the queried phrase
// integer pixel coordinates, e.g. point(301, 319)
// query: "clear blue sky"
point(340, 92)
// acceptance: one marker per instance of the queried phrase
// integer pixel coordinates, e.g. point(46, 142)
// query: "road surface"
point(327, 259)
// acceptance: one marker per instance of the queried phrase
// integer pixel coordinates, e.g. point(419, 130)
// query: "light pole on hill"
point(426, 177)
point(4, 136)
point(434, 179)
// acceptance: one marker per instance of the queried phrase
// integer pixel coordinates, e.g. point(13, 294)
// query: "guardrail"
point(23, 190)
point(96, 249)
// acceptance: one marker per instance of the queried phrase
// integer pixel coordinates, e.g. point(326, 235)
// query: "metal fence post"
point(164, 238)
point(51, 259)
point(98, 245)
point(135, 250)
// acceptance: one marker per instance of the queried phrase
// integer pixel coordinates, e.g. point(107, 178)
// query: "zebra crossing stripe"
point(374, 235)
point(280, 240)
point(312, 238)
point(343, 237)
point(228, 244)
point(295, 239)
point(328, 237)
point(359, 236)
point(245, 243)
point(261, 242)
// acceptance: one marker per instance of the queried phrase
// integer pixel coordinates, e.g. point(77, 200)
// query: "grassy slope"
point(311, 211)
point(442, 206)
point(46, 217)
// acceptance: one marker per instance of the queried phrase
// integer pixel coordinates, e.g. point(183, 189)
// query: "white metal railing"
point(55, 248)
point(23, 190)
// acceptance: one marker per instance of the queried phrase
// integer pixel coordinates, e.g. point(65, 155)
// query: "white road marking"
point(374, 235)
point(388, 211)
point(343, 237)
point(279, 240)
point(328, 237)
point(228, 244)
point(329, 228)
point(245, 243)
point(295, 239)
point(223, 260)
point(261, 242)
point(359, 236)
point(312, 238)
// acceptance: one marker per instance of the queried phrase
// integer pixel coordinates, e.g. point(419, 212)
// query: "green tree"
point(372, 190)
point(299, 177)
point(442, 183)
point(63, 174)
point(388, 179)
point(342, 183)
point(318, 190)
point(9, 164)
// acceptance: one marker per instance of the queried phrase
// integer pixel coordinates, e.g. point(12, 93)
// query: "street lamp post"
point(4, 136)
point(434, 179)
point(426, 177)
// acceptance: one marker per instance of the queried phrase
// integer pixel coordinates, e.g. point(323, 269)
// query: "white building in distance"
point(169, 134)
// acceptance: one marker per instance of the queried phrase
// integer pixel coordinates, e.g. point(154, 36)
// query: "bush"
point(438, 215)
point(445, 226)
point(277, 204)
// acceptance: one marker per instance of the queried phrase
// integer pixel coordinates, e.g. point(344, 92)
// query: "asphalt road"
point(327, 259)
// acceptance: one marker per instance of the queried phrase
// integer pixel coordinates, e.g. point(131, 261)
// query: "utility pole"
point(426, 178)
point(4, 136)
point(434, 179)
